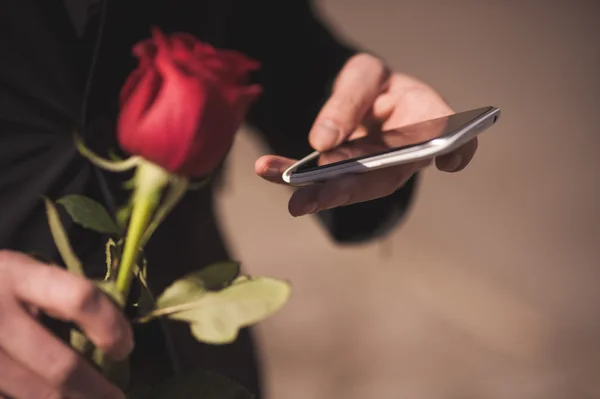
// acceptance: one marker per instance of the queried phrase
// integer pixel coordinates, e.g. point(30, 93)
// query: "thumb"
point(357, 86)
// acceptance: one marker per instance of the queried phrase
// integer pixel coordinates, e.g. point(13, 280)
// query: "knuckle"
point(341, 105)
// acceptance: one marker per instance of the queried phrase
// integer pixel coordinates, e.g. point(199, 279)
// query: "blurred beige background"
point(490, 288)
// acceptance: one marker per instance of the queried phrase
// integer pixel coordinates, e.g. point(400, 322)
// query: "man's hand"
point(34, 364)
point(366, 99)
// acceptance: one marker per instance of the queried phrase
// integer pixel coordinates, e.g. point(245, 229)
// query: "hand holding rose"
point(180, 110)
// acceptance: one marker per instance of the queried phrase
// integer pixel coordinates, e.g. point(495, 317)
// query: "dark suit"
point(61, 69)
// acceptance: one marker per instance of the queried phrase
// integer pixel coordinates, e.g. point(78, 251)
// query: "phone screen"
point(392, 140)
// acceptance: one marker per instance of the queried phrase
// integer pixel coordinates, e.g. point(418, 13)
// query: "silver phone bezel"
point(430, 149)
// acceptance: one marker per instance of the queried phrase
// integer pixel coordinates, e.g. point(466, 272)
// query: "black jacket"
point(61, 68)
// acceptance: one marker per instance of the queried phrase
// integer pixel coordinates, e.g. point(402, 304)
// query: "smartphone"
point(407, 144)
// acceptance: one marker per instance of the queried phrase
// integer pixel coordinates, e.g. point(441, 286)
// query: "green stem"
point(149, 183)
point(142, 212)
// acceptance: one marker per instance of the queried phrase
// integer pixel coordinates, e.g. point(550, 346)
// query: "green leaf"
point(217, 317)
point(61, 240)
point(196, 384)
point(89, 214)
point(191, 287)
point(219, 275)
point(240, 279)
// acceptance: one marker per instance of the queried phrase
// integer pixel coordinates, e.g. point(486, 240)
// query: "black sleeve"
point(300, 59)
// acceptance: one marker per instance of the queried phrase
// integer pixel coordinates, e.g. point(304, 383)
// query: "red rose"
point(181, 107)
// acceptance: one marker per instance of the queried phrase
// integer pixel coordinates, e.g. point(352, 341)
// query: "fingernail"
point(308, 209)
point(271, 171)
point(453, 164)
point(273, 168)
point(327, 134)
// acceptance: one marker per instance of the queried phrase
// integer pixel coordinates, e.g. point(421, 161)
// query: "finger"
point(351, 189)
point(271, 167)
point(73, 298)
point(458, 159)
point(30, 344)
point(357, 86)
point(17, 381)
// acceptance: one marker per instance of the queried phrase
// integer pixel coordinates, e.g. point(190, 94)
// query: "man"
point(63, 63)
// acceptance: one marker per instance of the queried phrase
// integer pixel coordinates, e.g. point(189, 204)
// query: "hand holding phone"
point(390, 157)
point(409, 144)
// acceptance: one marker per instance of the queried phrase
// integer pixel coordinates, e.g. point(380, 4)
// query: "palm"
point(407, 100)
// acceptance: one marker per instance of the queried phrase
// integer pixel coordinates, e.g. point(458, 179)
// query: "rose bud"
point(182, 106)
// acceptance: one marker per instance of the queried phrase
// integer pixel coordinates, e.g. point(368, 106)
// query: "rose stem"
point(150, 180)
